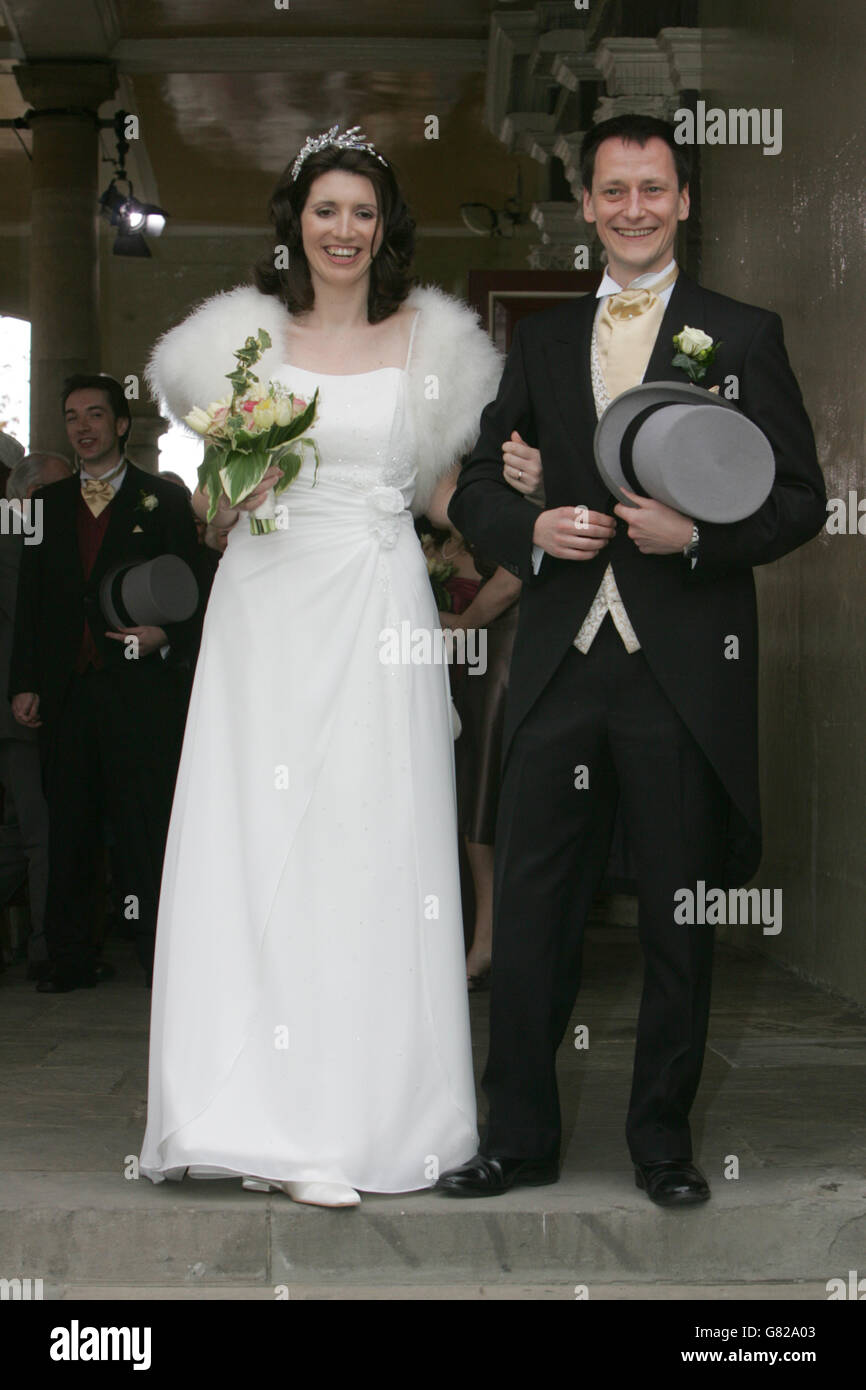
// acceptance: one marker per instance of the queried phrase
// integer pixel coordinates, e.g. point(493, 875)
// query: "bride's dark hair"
point(390, 277)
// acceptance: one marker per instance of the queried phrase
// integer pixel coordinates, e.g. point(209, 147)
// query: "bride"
point(309, 1027)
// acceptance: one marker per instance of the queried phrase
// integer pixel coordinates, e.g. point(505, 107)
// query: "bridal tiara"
point(350, 140)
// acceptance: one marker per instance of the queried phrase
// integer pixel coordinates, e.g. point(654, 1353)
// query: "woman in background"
point(482, 596)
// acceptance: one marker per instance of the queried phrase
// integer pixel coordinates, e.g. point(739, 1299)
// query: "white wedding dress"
point(310, 1019)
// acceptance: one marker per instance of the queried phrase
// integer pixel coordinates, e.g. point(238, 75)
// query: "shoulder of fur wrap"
point(453, 372)
point(189, 363)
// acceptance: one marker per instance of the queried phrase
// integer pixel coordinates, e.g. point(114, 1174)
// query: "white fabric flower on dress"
point(385, 505)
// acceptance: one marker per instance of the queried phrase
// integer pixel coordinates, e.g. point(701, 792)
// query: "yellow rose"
point(263, 416)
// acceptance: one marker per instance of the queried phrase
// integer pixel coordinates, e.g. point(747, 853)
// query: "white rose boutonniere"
point(147, 501)
point(695, 352)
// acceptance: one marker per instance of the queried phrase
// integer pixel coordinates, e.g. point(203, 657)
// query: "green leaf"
point(311, 444)
point(282, 434)
point(209, 477)
point(694, 370)
point(241, 473)
point(290, 463)
point(246, 441)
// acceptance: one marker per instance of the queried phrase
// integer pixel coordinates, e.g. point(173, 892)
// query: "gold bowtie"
point(97, 494)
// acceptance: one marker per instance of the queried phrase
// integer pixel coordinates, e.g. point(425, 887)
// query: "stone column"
point(144, 444)
point(64, 304)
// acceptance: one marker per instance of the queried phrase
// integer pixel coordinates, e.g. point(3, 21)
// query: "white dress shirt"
point(115, 479)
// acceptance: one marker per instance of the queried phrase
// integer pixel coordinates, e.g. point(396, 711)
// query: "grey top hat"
point(683, 446)
point(141, 593)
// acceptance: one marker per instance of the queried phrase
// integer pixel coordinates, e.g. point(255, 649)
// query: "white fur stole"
point(453, 372)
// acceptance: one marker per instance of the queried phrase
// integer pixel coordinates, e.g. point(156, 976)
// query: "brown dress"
point(480, 702)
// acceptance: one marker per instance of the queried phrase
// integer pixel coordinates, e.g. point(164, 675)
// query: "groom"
point(626, 688)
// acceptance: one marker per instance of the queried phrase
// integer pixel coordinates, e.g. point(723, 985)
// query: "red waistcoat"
point(91, 530)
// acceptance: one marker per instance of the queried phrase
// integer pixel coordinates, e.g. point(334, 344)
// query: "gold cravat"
point(627, 328)
point(97, 494)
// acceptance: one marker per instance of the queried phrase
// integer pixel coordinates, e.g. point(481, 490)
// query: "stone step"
point(505, 1292)
point(585, 1232)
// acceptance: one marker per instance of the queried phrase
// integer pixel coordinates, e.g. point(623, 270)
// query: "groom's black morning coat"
point(683, 617)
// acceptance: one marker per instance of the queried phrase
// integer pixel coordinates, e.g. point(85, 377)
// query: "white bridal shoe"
point(313, 1194)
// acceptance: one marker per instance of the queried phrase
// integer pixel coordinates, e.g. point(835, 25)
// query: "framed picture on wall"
point(503, 297)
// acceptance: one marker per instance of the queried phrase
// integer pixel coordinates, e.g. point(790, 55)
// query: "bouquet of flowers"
point(250, 432)
point(439, 570)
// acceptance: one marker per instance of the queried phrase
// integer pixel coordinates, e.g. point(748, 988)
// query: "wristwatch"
point(691, 550)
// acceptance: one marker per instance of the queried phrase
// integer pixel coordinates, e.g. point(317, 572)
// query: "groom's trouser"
point(606, 713)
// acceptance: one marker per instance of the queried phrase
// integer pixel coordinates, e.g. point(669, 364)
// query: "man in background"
point(24, 832)
point(108, 707)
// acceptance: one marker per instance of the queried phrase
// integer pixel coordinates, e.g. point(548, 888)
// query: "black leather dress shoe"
point(672, 1183)
point(486, 1176)
point(63, 984)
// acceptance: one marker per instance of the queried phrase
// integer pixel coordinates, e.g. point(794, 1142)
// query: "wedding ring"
point(520, 472)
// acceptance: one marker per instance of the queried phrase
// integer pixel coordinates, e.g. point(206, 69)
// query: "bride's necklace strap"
point(460, 546)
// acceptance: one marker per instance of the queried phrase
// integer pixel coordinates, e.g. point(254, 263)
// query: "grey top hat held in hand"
point(683, 446)
point(144, 593)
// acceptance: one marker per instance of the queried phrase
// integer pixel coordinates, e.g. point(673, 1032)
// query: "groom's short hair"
point(637, 129)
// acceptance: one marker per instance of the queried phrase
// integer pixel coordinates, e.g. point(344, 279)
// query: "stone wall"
point(786, 231)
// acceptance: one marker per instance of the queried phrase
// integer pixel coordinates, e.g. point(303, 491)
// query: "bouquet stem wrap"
point(249, 433)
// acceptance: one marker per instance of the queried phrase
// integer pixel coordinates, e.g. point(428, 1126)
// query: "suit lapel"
point(114, 542)
point(685, 306)
point(567, 356)
point(67, 492)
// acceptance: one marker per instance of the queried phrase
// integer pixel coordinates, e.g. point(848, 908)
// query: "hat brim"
point(110, 593)
point(611, 428)
point(145, 592)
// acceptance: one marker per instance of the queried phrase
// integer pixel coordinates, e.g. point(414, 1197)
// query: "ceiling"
point(226, 93)
point(376, 18)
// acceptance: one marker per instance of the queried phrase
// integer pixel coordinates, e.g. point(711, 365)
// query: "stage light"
point(133, 219)
point(130, 244)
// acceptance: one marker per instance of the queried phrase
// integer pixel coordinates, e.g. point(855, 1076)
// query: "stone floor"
point(783, 1094)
